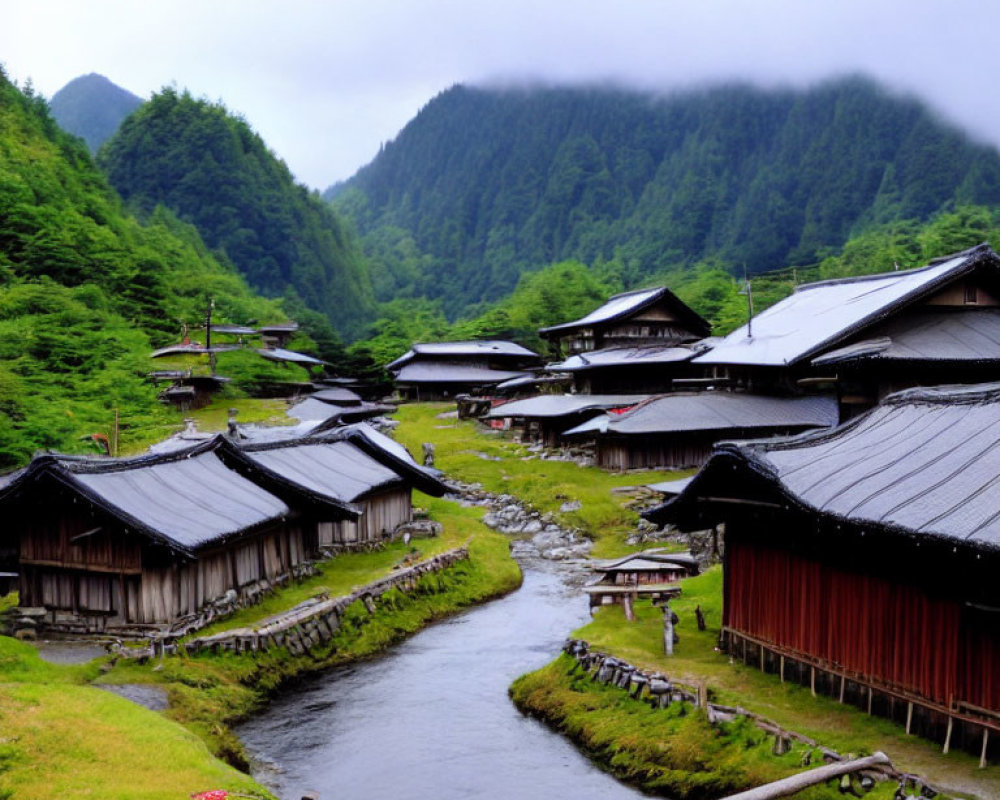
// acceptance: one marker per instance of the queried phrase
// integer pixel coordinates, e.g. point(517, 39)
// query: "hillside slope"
point(86, 291)
point(484, 184)
point(213, 171)
point(92, 107)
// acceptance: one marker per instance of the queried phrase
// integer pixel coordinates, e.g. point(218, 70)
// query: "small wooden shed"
point(647, 573)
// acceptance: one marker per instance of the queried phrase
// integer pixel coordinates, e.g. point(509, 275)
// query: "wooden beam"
point(909, 716)
point(986, 741)
point(947, 736)
point(796, 783)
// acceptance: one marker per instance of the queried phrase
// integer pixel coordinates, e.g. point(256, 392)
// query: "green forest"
point(90, 283)
point(210, 169)
point(87, 291)
point(485, 184)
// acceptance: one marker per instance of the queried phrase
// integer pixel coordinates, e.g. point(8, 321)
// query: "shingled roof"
point(448, 350)
point(926, 462)
point(715, 411)
point(561, 405)
point(184, 500)
point(966, 335)
point(819, 316)
point(624, 305)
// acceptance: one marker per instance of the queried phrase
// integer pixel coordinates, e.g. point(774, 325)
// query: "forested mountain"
point(86, 291)
point(212, 170)
point(484, 184)
point(92, 107)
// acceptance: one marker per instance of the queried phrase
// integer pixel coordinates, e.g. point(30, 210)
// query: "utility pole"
point(749, 293)
point(208, 336)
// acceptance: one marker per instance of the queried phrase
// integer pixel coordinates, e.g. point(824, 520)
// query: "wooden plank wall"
point(650, 453)
point(892, 633)
point(381, 515)
point(102, 575)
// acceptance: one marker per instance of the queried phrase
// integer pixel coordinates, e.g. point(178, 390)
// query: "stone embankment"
point(506, 514)
point(307, 625)
point(660, 691)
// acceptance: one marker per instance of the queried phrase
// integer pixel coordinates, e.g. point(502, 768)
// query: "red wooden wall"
point(887, 632)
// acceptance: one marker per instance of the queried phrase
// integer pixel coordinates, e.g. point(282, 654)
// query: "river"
point(431, 717)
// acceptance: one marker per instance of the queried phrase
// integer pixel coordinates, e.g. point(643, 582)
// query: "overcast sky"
point(326, 81)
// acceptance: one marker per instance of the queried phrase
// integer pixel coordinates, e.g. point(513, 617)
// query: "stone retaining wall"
point(307, 625)
point(660, 691)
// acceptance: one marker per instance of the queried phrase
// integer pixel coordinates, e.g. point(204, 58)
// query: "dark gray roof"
point(234, 330)
point(715, 411)
point(186, 499)
point(483, 349)
point(924, 462)
point(338, 395)
point(192, 349)
point(971, 335)
point(561, 405)
point(623, 305)
point(822, 315)
point(336, 469)
point(450, 372)
point(622, 357)
point(291, 356)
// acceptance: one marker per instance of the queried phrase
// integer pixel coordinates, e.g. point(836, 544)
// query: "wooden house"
point(677, 431)
point(647, 573)
point(636, 342)
point(441, 370)
point(542, 419)
point(105, 544)
point(354, 465)
point(863, 559)
point(874, 334)
point(115, 544)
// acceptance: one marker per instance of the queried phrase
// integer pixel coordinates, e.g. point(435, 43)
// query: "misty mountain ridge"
point(92, 107)
point(210, 168)
point(487, 183)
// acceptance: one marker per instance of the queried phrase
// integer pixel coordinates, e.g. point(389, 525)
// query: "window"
point(971, 294)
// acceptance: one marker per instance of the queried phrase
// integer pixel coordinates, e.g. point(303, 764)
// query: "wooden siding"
point(382, 513)
point(887, 633)
point(650, 453)
point(119, 578)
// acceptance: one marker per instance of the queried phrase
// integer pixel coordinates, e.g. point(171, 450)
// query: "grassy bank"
point(636, 744)
point(60, 737)
point(465, 451)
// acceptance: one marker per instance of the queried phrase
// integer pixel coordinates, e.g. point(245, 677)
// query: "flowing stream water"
point(431, 717)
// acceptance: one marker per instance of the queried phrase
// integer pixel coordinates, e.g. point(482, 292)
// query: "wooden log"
point(796, 783)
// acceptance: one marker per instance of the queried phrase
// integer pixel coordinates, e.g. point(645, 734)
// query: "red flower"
point(217, 794)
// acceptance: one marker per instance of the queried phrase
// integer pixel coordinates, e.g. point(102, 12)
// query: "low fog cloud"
point(326, 83)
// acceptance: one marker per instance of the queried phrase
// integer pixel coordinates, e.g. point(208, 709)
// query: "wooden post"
point(947, 736)
point(986, 741)
point(842, 681)
point(869, 700)
point(803, 780)
point(762, 659)
point(909, 716)
point(782, 669)
point(812, 680)
point(668, 629)
point(627, 607)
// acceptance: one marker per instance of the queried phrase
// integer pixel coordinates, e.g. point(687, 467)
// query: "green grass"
point(460, 447)
point(60, 738)
point(674, 752)
point(842, 727)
